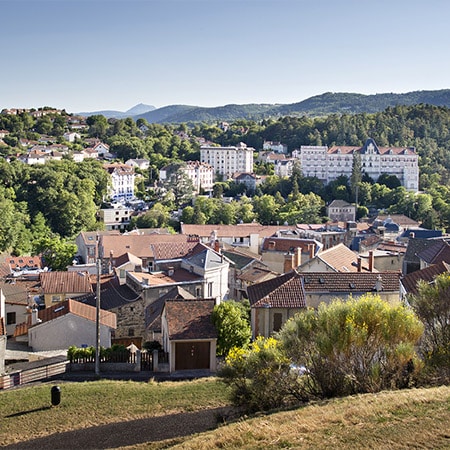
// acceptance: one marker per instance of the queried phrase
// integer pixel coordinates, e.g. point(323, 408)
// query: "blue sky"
point(89, 55)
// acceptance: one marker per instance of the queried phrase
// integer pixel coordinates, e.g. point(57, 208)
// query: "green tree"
point(356, 177)
point(233, 326)
point(432, 305)
point(57, 253)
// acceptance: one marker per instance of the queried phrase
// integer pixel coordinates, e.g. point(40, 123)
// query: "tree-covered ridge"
point(319, 105)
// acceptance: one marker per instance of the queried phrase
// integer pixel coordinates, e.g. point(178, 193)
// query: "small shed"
point(189, 336)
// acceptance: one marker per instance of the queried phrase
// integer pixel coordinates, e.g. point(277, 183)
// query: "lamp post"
point(97, 319)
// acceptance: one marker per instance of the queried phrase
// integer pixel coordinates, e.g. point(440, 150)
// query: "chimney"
point(217, 246)
point(170, 271)
point(371, 261)
point(289, 262)
point(298, 257)
point(311, 250)
point(359, 263)
point(378, 284)
point(34, 315)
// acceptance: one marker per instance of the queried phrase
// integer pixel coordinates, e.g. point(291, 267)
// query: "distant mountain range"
point(319, 105)
point(134, 111)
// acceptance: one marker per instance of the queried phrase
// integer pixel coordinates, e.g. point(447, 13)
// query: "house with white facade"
point(328, 164)
point(277, 147)
point(69, 323)
point(122, 181)
point(341, 211)
point(201, 174)
point(228, 160)
point(142, 164)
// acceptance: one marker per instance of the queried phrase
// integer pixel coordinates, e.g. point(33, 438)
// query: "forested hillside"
point(319, 105)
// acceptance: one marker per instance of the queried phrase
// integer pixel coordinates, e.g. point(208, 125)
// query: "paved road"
point(130, 433)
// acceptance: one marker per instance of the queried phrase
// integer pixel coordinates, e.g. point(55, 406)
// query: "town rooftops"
point(226, 231)
point(438, 252)
point(79, 309)
point(190, 319)
point(112, 293)
point(290, 290)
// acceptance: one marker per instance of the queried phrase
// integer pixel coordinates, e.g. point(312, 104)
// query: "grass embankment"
point(26, 413)
point(418, 418)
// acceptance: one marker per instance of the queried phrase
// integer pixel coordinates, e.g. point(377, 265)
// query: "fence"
point(31, 375)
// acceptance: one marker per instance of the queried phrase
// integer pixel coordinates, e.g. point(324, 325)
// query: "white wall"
point(65, 331)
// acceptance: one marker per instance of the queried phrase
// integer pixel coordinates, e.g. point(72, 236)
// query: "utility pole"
point(97, 317)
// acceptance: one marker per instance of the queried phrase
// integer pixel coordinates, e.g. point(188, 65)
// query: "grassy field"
point(418, 418)
point(26, 413)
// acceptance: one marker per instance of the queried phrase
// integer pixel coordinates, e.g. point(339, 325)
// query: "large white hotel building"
point(328, 164)
point(227, 161)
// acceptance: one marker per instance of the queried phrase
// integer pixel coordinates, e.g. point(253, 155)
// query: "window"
point(10, 318)
point(277, 321)
point(130, 332)
point(56, 298)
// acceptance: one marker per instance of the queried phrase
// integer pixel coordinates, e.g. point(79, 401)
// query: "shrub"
point(360, 345)
point(260, 376)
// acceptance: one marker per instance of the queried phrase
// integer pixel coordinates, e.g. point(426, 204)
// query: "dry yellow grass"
point(418, 418)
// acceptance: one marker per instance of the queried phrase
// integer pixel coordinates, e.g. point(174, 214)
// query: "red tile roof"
point(240, 230)
point(342, 259)
point(285, 291)
point(79, 309)
point(359, 282)
point(436, 253)
point(65, 282)
point(190, 319)
point(172, 250)
point(428, 274)
point(139, 245)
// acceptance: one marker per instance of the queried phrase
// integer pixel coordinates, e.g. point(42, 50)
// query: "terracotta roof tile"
point(190, 319)
point(65, 282)
point(139, 245)
point(172, 250)
point(284, 291)
point(428, 274)
point(359, 282)
point(342, 259)
point(79, 309)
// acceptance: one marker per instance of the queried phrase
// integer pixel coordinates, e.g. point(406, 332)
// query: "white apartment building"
point(228, 160)
point(201, 174)
point(328, 164)
point(122, 181)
